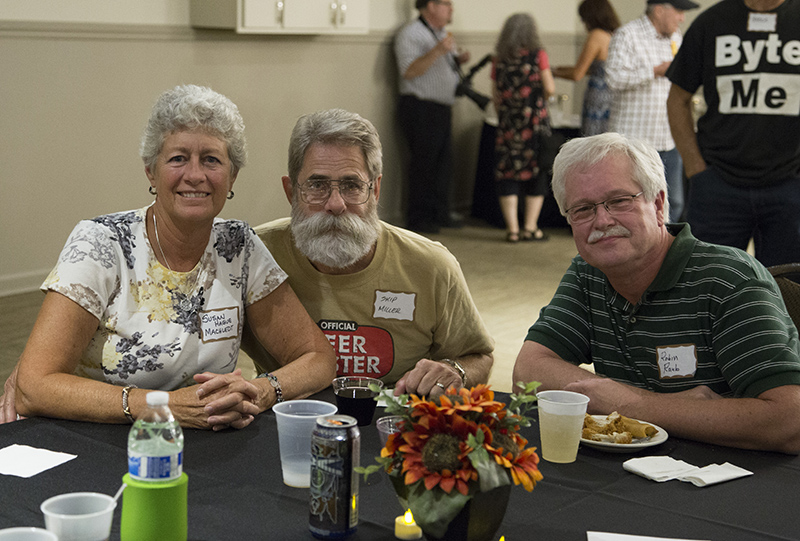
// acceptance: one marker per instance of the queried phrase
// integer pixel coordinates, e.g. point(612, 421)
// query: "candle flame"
point(408, 518)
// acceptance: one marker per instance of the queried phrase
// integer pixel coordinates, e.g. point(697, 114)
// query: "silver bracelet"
point(275, 384)
point(459, 369)
point(126, 409)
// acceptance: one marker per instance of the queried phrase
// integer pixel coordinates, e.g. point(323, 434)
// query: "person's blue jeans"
point(722, 213)
point(673, 169)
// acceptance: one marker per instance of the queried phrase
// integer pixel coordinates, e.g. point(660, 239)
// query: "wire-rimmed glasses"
point(616, 205)
point(352, 191)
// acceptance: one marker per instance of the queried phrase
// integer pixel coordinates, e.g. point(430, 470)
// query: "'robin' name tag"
point(677, 361)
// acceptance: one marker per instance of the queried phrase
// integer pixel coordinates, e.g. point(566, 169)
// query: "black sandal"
point(537, 235)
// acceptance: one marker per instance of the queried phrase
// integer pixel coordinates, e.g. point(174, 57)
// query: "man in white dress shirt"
point(638, 57)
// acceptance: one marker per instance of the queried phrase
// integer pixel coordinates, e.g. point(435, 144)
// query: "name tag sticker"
point(390, 305)
point(762, 22)
point(219, 324)
point(677, 361)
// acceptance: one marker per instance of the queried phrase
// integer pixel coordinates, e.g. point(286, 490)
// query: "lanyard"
point(450, 57)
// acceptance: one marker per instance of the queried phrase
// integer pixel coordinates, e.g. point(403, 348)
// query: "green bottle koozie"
point(155, 510)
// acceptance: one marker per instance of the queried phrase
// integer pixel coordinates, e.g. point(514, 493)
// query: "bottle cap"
point(157, 398)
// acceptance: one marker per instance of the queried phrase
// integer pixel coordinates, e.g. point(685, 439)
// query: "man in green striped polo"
point(691, 336)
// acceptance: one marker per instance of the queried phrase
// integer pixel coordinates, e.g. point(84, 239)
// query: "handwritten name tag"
point(762, 22)
point(390, 305)
point(219, 324)
point(677, 361)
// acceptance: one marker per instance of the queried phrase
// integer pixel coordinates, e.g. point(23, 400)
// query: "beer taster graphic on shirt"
point(361, 350)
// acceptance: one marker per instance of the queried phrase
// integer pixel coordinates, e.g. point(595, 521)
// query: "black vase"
point(479, 519)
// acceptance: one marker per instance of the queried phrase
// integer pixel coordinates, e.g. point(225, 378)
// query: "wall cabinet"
point(282, 16)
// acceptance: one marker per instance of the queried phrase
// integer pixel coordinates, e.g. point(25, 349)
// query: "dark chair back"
point(788, 278)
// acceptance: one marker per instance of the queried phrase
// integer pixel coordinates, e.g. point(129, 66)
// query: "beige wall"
point(79, 78)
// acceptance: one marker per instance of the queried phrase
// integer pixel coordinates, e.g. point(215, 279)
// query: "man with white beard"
point(688, 335)
point(393, 304)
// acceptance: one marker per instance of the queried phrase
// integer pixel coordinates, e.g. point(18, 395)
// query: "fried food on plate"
point(616, 428)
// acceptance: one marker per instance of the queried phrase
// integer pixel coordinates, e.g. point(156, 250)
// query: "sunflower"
point(508, 450)
point(435, 449)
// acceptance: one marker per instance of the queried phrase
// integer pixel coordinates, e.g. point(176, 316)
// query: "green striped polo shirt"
point(712, 302)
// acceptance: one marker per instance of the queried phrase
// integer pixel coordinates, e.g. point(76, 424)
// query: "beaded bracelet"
point(275, 384)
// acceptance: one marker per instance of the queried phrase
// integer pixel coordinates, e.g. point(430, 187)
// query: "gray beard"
point(335, 241)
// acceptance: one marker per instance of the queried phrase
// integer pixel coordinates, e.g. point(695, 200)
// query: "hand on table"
point(606, 395)
point(428, 378)
point(8, 408)
point(218, 402)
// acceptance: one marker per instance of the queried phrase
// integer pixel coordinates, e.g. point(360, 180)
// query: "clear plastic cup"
point(560, 424)
point(388, 425)
point(355, 398)
point(79, 516)
point(26, 534)
point(296, 420)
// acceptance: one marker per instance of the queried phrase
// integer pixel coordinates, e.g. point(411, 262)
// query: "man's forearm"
point(770, 422)
point(477, 367)
point(535, 362)
point(681, 124)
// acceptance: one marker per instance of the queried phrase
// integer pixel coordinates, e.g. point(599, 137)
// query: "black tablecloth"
point(236, 490)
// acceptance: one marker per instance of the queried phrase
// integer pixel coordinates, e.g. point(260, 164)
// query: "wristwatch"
point(126, 409)
point(275, 384)
point(459, 369)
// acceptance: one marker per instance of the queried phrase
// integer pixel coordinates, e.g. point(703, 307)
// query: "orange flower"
point(509, 451)
point(436, 440)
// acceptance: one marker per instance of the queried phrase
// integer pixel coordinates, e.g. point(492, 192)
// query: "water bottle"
point(155, 442)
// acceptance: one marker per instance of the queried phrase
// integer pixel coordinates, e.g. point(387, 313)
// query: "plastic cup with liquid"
point(296, 420)
point(561, 416)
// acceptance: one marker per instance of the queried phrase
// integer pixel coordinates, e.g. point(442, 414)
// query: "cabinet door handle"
point(334, 9)
point(342, 13)
point(279, 12)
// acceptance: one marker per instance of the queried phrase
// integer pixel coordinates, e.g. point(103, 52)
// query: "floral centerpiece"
point(455, 446)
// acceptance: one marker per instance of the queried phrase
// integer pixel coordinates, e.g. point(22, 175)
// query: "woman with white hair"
point(156, 298)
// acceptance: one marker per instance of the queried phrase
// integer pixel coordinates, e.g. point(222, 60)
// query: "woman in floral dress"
point(522, 84)
point(155, 298)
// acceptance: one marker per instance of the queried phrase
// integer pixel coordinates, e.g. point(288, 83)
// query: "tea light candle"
point(406, 528)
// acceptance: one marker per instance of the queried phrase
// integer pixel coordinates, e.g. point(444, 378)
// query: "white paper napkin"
point(603, 536)
point(26, 461)
point(664, 468)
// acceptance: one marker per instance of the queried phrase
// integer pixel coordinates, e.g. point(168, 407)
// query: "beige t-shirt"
point(411, 302)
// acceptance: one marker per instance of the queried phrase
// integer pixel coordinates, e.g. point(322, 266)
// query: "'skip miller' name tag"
point(389, 305)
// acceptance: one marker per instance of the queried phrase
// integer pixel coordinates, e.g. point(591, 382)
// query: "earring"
point(152, 190)
point(230, 194)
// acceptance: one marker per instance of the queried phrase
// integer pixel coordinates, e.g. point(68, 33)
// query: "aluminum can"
point(333, 494)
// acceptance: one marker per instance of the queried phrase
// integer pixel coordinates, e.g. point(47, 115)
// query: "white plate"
point(660, 437)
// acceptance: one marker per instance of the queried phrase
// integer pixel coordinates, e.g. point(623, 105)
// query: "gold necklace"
point(185, 303)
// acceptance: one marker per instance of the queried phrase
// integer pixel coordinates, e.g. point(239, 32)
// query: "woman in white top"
point(156, 298)
point(601, 21)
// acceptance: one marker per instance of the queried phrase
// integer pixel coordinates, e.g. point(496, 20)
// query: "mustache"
point(613, 231)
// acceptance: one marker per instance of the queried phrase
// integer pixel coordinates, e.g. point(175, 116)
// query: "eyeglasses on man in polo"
point(619, 204)
point(317, 191)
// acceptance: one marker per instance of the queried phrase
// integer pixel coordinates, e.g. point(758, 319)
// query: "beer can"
point(333, 494)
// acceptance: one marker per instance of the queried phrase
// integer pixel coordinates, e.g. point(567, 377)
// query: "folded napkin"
point(664, 468)
point(26, 461)
point(603, 536)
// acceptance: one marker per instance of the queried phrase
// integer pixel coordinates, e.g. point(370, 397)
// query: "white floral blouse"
point(157, 328)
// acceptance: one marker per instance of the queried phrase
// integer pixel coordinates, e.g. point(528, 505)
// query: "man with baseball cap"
point(638, 57)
